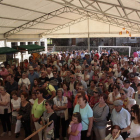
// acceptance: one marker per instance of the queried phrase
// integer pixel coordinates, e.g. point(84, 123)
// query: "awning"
point(32, 48)
point(7, 50)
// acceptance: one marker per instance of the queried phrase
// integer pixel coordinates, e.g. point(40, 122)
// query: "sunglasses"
point(95, 92)
point(122, 93)
point(71, 77)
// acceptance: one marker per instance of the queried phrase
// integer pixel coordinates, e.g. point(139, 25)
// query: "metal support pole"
point(5, 43)
point(88, 38)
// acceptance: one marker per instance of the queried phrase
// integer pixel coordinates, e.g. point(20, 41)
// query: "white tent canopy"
point(33, 19)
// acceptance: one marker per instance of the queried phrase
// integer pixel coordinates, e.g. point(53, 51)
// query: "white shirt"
point(130, 92)
point(109, 137)
point(16, 105)
point(50, 75)
point(135, 130)
point(25, 81)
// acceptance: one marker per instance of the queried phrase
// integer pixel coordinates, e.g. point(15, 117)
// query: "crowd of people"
point(78, 92)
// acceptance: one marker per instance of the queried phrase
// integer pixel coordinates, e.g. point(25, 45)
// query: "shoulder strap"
point(81, 118)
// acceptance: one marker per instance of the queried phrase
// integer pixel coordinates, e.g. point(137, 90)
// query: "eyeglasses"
point(95, 92)
point(71, 77)
point(80, 88)
point(122, 93)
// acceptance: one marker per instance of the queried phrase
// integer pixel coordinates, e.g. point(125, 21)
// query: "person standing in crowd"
point(60, 106)
point(3, 73)
point(24, 80)
point(95, 98)
point(5, 112)
point(37, 109)
point(24, 114)
point(113, 96)
point(134, 127)
point(68, 94)
point(130, 89)
point(87, 117)
point(11, 84)
point(135, 83)
point(101, 111)
point(120, 117)
point(136, 95)
point(124, 98)
point(32, 75)
point(48, 116)
point(75, 127)
point(72, 82)
point(79, 78)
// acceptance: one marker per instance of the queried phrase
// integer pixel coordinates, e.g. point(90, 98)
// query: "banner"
point(2, 57)
point(35, 51)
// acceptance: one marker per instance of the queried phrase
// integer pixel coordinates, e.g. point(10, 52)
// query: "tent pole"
point(5, 43)
point(88, 37)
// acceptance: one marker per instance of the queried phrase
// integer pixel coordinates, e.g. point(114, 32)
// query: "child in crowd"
point(75, 127)
point(33, 98)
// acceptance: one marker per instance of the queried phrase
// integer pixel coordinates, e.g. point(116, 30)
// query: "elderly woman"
point(5, 111)
point(49, 115)
point(95, 98)
point(87, 116)
point(60, 106)
point(124, 98)
point(24, 80)
point(38, 109)
point(101, 111)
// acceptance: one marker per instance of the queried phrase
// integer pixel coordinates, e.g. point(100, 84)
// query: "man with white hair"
point(79, 78)
point(130, 89)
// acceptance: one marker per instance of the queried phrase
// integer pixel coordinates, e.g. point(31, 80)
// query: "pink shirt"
point(69, 93)
point(135, 54)
point(76, 127)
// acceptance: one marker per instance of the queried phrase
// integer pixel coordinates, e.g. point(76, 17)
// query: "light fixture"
point(127, 32)
point(120, 33)
point(123, 28)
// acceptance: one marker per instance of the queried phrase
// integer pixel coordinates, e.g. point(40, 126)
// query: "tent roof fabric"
point(6, 50)
point(32, 48)
point(35, 19)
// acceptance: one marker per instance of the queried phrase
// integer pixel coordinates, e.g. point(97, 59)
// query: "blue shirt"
point(32, 77)
point(86, 113)
point(121, 118)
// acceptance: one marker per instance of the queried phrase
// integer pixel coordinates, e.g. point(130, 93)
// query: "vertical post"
point(5, 43)
point(46, 47)
point(88, 37)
